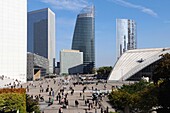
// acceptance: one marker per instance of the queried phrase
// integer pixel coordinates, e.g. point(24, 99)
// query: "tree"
point(12, 100)
point(139, 97)
point(94, 71)
point(162, 69)
point(104, 71)
point(161, 78)
point(32, 105)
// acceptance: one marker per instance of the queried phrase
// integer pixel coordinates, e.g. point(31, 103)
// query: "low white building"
point(71, 62)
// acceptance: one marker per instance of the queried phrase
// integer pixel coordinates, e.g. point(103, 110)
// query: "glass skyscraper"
point(84, 37)
point(41, 34)
point(125, 36)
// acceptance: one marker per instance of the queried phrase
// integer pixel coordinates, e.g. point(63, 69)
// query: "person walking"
point(60, 110)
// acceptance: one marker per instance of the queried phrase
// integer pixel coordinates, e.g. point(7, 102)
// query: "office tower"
point(71, 62)
point(84, 37)
point(41, 35)
point(125, 36)
point(13, 39)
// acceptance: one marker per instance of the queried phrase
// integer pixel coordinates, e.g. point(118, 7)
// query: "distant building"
point(57, 68)
point(125, 36)
point(84, 37)
point(37, 66)
point(71, 62)
point(41, 35)
point(137, 64)
point(13, 39)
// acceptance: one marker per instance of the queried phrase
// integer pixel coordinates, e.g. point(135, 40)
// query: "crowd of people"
point(61, 95)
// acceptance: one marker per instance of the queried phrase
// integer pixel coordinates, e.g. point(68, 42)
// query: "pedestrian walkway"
point(35, 87)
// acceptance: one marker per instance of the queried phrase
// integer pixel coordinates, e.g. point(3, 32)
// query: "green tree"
point(94, 71)
point(162, 69)
point(104, 71)
point(161, 78)
point(139, 97)
point(12, 102)
point(32, 105)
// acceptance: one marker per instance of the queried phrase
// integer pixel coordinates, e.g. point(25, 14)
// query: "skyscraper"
point(41, 34)
point(84, 37)
point(13, 39)
point(125, 36)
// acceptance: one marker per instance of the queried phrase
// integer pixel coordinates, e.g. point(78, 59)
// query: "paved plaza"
point(57, 84)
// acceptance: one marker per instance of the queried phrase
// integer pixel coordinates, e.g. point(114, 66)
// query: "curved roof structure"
point(134, 61)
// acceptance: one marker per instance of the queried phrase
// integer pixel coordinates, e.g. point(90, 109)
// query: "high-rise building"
point(13, 39)
point(84, 37)
point(125, 36)
point(41, 34)
point(71, 62)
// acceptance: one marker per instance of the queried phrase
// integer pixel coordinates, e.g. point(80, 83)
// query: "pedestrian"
point(95, 110)
point(66, 104)
point(107, 109)
point(53, 93)
point(89, 106)
point(85, 110)
point(60, 110)
point(49, 100)
point(101, 110)
point(85, 102)
point(83, 97)
point(57, 97)
point(76, 103)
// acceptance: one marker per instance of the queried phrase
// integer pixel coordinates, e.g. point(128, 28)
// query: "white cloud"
point(65, 21)
point(139, 7)
point(72, 5)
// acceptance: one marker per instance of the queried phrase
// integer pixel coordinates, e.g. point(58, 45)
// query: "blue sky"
point(152, 18)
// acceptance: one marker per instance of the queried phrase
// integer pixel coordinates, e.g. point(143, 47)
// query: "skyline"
point(152, 23)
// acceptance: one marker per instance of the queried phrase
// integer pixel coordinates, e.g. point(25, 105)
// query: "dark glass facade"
point(41, 35)
point(84, 38)
point(38, 32)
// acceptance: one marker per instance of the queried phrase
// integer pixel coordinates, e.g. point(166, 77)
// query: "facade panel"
point(13, 39)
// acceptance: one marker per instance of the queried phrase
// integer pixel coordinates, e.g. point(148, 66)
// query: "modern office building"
point(41, 34)
point(137, 63)
point(125, 36)
point(13, 39)
point(84, 37)
point(37, 66)
point(71, 62)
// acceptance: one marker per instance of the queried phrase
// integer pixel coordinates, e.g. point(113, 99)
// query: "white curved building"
point(134, 64)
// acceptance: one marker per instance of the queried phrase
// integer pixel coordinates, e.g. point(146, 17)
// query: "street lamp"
point(122, 74)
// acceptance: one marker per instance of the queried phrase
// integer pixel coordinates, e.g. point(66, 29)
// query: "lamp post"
point(122, 74)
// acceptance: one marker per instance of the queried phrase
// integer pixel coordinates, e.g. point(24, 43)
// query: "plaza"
point(56, 85)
